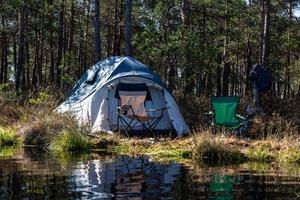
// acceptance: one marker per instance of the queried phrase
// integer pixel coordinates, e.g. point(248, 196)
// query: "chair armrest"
point(209, 113)
point(240, 117)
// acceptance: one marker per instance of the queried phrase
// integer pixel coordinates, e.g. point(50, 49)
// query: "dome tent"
point(93, 99)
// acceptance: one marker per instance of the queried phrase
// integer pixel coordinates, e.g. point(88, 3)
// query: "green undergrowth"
point(262, 153)
point(71, 141)
point(8, 137)
point(8, 151)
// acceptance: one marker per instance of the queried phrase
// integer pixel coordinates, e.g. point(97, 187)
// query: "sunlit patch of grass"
point(260, 153)
point(119, 149)
point(7, 137)
point(176, 153)
point(8, 151)
point(211, 150)
point(71, 141)
point(289, 155)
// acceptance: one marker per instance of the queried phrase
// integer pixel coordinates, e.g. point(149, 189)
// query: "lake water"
point(33, 174)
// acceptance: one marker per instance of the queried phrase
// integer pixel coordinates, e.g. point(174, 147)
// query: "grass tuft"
point(46, 127)
point(212, 151)
point(71, 141)
point(260, 153)
point(7, 137)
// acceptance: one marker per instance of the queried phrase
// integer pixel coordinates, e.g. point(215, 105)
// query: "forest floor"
point(35, 124)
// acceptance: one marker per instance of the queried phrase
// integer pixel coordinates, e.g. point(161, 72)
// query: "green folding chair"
point(224, 113)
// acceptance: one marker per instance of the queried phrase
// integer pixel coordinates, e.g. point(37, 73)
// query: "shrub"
point(7, 137)
point(4, 87)
point(71, 141)
point(47, 126)
point(261, 153)
point(210, 150)
point(42, 98)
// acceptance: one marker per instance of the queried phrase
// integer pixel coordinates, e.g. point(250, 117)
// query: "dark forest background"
point(198, 47)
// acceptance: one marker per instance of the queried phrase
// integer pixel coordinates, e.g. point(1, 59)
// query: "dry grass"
point(45, 127)
point(273, 127)
point(10, 112)
point(215, 150)
point(203, 147)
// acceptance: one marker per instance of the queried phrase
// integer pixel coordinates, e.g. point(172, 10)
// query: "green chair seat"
point(225, 111)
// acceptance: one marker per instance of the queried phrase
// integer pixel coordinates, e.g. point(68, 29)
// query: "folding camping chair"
point(225, 114)
point(132, 112)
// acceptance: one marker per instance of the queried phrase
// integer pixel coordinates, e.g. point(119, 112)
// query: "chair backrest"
point(225, 110)
point(134, 95)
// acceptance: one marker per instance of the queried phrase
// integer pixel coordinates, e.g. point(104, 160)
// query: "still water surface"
point(31, 174)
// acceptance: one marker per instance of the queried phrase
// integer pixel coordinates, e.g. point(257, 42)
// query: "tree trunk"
point(28, 83)
point(128, 28)
point(226, 66)
point(109, 32)
point(97, 31)
point(287, 72)
point(4, 56)
point(71, 28)
point(225, 79)
point(21, 57)
point(15, 53)
point(171, 72)
point(249, 64)
point(266, 35)
point(87, 27)
point(60, 43)
point(219, 74)
point(51, 70)
point(40, 59)
point(262, 16)
point(117, 28)
point(36, 55)
point(189, 72)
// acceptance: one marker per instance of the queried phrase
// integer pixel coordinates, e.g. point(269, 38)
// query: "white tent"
point(93, 99)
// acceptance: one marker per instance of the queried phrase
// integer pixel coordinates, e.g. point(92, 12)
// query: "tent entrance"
point(154, 100)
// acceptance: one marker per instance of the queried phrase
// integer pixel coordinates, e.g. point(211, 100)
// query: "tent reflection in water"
point(95, 99)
